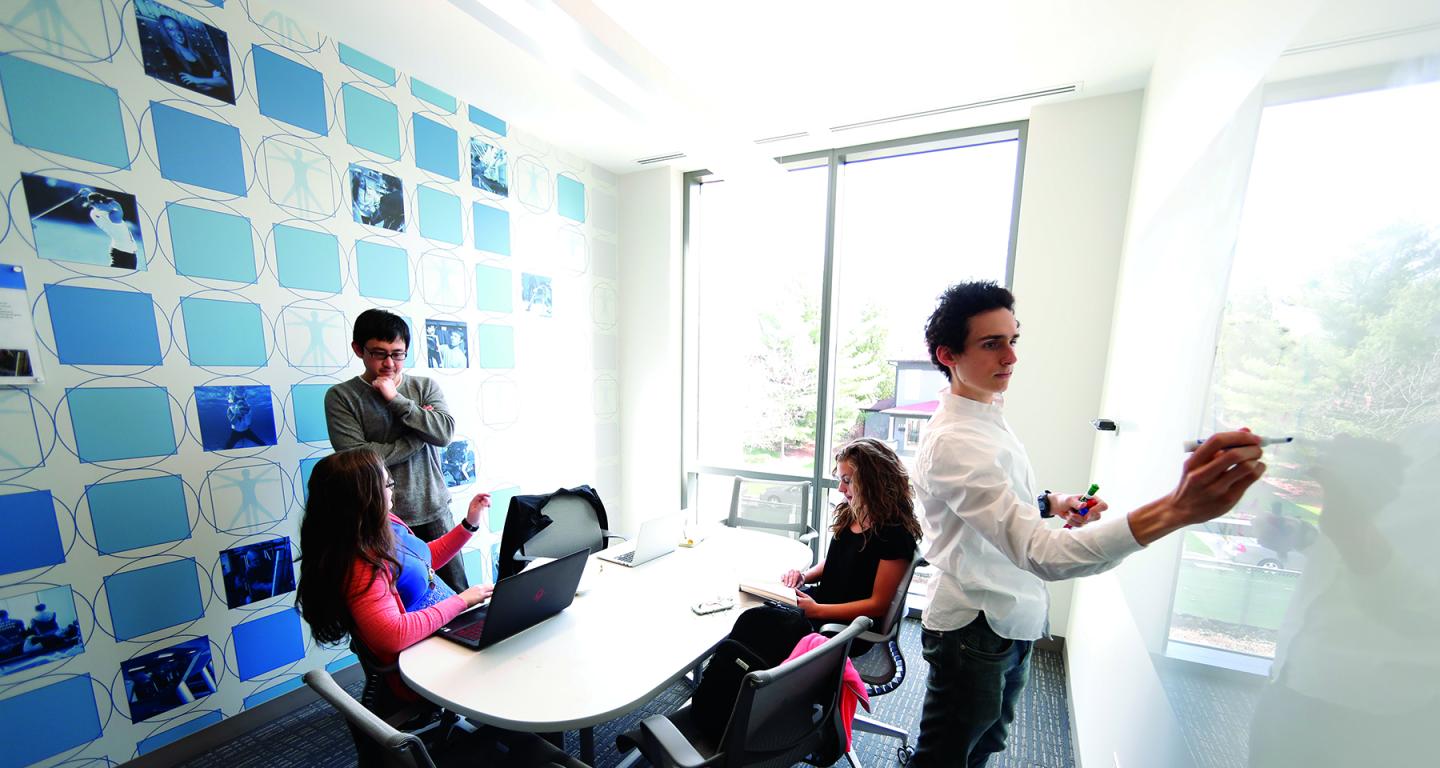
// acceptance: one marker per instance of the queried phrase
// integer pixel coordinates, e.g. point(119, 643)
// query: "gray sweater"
point(406, 435)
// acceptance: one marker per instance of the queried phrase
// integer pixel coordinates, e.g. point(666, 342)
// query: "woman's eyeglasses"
point(389, 483)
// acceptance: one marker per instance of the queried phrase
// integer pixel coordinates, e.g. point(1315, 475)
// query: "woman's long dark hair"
point(882, 489)
point(345, 522)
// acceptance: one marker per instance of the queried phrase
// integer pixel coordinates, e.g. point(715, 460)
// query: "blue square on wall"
point(384, 271)
point(171, 735)
point(367, 65)
point(59, 112)
point(94, 326)
point(308, 401)
point(268, 643)
point(494, 289)
point(371, 122)
point(197, 150)
point(289, 91)
point(427, 92)
point(571, 194)
point(210, 243)
point(500, 506)
point(487, 121)
point(307, 467)
point(439, 215)
point(120, 422)
point(492, 228)
point(437, 147)
point(130, 514)
point(47, 721)
point(146, 599)
point(29, 535)
point(495, 346)
point(307, 259)
point(223, 332)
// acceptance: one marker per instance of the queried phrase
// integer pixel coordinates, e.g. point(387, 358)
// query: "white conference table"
point(628, 636)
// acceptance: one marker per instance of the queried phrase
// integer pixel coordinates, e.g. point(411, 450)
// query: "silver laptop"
point(657, 537)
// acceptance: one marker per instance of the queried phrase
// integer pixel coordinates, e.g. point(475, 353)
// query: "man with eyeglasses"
point(402, 418)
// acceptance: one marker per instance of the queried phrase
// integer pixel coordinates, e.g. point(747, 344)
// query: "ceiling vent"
point(783, 137)
point(660, 158)
point(1061, 91)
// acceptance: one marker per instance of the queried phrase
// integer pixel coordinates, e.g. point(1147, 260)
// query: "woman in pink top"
point(363, 574)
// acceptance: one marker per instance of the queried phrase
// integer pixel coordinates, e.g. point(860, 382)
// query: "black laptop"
point(519, 603)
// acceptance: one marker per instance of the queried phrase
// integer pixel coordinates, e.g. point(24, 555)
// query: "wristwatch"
point(466, 524)
point(1043, 502)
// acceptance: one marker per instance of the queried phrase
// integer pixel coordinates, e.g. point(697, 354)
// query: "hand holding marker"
point(1189, 446)
point(1086, 502)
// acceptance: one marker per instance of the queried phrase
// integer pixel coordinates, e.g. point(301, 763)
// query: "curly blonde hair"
point(882, 487)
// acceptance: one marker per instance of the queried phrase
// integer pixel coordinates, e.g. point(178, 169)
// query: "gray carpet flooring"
point(315, 735)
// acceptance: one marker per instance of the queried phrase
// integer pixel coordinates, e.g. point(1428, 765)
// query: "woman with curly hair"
point(872, 539)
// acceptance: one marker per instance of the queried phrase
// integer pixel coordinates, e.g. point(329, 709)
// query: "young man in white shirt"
point(981, 512)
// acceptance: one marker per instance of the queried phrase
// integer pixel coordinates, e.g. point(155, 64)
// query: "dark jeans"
point(975, 679)
point(453, 572)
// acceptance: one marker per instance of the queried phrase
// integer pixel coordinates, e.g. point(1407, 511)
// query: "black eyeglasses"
point(379, 354)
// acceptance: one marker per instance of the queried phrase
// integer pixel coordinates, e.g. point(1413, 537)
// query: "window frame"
point(834, 161)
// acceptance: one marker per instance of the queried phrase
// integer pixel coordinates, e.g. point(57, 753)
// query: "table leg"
point(587, 746)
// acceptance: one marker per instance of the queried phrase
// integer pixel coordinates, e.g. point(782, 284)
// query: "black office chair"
point(576, 525)
point(552, 525)
point(781, 508)
point(394, 748)
point(781, 715)
point(883, 666)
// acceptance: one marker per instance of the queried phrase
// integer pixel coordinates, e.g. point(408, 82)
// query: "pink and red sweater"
point(381, 623)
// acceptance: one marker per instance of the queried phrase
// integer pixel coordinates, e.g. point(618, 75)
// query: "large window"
point(808, 293)
point(1331, 334)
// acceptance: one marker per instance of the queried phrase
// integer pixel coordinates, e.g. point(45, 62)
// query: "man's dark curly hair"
point(949, 324)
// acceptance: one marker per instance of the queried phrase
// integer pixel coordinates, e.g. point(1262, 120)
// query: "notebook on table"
point(519, 603)
point(658, 536)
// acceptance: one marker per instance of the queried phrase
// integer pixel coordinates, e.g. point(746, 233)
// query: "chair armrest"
point(809, 534)
point(523, 558)
point(831, 630)
point(666, 741)
point(606, 536)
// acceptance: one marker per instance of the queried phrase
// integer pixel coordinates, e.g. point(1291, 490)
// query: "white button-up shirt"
point(983, 531)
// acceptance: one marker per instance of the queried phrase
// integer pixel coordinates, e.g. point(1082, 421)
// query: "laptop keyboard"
point(470, 631)
point(628, 557)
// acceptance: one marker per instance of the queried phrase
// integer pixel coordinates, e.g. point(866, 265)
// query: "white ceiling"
point(618, 80)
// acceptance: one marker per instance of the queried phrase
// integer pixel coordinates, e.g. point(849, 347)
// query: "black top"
point(853, 558)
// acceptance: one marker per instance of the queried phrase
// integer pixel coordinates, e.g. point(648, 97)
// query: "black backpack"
point(763, 637)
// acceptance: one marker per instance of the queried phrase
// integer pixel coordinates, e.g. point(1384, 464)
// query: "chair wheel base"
point(903, 754)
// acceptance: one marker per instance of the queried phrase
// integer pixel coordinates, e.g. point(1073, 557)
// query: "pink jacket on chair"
point(854, 688)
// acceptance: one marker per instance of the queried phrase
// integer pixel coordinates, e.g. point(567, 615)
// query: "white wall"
point(651, 222)
point(1076, 191)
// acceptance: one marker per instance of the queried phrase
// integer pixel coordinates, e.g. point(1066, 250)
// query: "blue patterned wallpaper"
point(201, 196)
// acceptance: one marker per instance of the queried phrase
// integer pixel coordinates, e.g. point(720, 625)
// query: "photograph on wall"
point(535, 294)
point(17, 333)
point(184, 51)
point(83, 223)
point(457, 463)
point(489, 168)
point(38, 628)
point(446, 344)
point(158, 682)
point(377, 199)
point(258, 571)
point(235, 417)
